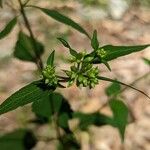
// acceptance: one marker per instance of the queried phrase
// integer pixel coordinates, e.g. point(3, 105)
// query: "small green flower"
point(101, 53)
point(49, 76)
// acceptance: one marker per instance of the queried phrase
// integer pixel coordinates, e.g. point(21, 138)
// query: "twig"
point(38, 59)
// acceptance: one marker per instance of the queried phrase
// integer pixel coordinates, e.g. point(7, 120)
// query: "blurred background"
point(118, 22)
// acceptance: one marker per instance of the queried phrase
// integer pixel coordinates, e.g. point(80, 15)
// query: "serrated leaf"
point(30, 93)
point(146, 60)
point(113, 89)
point(120, 115)
point(63, 19)
point(20, 139)
point(50, 60)
point(24, 49)
point(8, 28)
point(113, 52)
point(94, 41)
point(65, 43)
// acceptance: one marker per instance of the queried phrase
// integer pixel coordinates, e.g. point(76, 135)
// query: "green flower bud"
point(73, 68)
point(73, 75)
point(88, 59)
point(101, 53)
point(49, 76)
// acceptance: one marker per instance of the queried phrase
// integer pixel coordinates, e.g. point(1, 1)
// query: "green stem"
point(27, 24)
point(115, 81)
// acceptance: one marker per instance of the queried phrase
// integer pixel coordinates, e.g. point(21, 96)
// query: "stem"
point(55, 120)
point(27, 24)
point(115, 81)
point(138, 79)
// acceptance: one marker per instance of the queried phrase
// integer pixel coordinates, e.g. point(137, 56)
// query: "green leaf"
point(1, 3)
point(113, 89)
point(50, 60)
point(65, 43)
point(94, 41)
point(42, 107)
point(30, 93)
point(53, 103)
point(24, 49)
point(63, 120)
point(146, 60)
point(120, 115)
point(63, 19)
point(106, 64)
point(113, 52)
point(69, 142)
point(20, 139)
point(8, 28)
point(87, 119)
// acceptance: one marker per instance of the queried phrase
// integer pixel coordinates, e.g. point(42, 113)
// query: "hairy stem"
point(27, 24)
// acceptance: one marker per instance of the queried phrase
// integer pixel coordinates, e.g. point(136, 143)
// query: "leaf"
point(20, 139)
point(106, 64)
point(24, 49)
point(65, 43)
point(63, 19)
point(87, 119)
point(119, 119)
point(8, 28)
point(50, 60)
point(115, 81)
point(113, 52)
point(69, 142)
point(1, 3)
point(146, 60)
point(42, 107)
point(53, 103)
point(94, 41)
point(113, 89)
point(120, 115)
point(30, 93)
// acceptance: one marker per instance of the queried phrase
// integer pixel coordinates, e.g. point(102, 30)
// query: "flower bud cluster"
point(49, 76)
point(101, 53)
point(85, 76)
